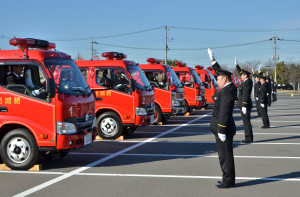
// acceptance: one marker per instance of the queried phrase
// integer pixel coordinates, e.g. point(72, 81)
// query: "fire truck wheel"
point(109, 125)
point(19, 150)
point(186, 107)
point(158, 115)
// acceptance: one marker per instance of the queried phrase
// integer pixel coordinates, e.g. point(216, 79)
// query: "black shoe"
point(221, 186)
point(247, 141)
point(264, 127)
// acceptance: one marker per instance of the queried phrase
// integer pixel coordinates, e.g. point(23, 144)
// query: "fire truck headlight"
point(65, 128)
point(94, 123)
point(176, 103)
point(199, 98)
point(139, 111)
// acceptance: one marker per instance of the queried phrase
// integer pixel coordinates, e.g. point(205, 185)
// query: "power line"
point(183, 48)
point(236, 30)
point(290, 40)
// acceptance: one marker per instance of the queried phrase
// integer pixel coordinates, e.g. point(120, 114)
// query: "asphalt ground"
point(178, 158)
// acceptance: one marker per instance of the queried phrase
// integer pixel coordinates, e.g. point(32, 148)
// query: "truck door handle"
point(3, 109)
point(98, 99)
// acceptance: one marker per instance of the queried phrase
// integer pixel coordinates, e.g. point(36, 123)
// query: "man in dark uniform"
point(275, 91)
point(268, 90)
point(245, 102)
point(14, 77)
point(222, 123)
point(257, 94)
point(264, 102)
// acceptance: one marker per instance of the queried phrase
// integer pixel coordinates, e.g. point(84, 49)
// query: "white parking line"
point(196, 142)
point(205, 133)
point(159, 176)
point(48, 183)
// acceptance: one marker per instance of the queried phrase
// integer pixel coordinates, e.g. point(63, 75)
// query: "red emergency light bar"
point(210, 68)
point(114, 55)
point(32, 43)
point(180, 64)
point(154, 61)
point(199, 67)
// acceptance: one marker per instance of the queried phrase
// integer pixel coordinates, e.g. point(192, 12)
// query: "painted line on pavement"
point(53, 181)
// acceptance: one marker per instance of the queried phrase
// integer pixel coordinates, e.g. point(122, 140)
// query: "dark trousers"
point(269, 99)
point(274, 97)
point(247, 125)
point(257, 107)
point(264, 115)
point(225, 152)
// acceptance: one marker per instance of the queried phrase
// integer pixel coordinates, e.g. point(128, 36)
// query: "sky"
point(231, 28)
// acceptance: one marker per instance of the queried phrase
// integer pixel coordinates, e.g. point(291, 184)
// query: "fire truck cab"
point(124, 97)
point(46, 106)
point(210, 83)
point(194, 92)
point(169, 93)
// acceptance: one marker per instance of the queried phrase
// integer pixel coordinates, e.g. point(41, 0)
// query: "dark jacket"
point(12, 79)
point(268, 87)
point(245, 90)
point(263, 93)
point(222, 120)
point(257, 89)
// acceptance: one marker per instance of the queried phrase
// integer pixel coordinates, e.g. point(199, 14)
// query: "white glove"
point(259, 69)
point(244, 110)
point(236, 61)
point(252, 70)
point(210, 53)
point(272, 92)
point(263, 105)
point(222, 137)
point(35, 92)
point(256, 98)
point(267, 94)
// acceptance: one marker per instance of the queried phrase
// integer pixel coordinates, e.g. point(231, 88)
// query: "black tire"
point(158, 114)
point(128, 131)
point(165, 118)
point(48, 156)
point(24, 144)
point(113, 127)
point(186, 108)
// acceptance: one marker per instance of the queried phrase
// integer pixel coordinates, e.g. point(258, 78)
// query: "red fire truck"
point(194, 92)
point(169, 93)
point(210, 83)
point(46, 106)
point(124, 97)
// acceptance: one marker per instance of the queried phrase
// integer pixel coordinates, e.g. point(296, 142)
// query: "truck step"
point(37, 167)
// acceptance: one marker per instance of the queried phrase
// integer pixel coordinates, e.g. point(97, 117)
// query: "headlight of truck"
point(199, 98)
point(65, 128)
point(94, 123)
point(139, 111)
point(175, 103)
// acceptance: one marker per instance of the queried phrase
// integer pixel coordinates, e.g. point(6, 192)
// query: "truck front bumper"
point(144, 120)
point(177, 110)
point(74, 141)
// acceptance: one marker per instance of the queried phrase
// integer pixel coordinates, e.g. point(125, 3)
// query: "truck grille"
point(81, 124)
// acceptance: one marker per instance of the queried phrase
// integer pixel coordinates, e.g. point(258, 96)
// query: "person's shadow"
point(269, 179)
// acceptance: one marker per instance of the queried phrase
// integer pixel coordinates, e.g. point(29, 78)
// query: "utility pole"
point(166, 45)
point(92, 49)
point(275, 57)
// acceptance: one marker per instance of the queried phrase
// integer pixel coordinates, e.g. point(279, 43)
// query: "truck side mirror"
point(51, 87)
point(132, 85)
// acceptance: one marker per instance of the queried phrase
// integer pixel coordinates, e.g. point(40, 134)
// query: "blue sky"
point(71, 24)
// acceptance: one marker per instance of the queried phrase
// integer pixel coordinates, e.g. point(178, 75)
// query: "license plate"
point(88, 139)
point(152, 119)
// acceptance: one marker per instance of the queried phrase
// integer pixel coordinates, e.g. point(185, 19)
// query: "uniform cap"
point(244, 72)
point(222, 72)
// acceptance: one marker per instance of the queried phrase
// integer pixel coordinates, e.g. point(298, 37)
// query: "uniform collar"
point(226, 85)
point(246, 79)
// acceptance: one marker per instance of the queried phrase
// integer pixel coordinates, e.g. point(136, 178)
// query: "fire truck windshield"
point(67, 76)
point(213, 79)
point(141, 82)
point(173, 77)
point(197, 78)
